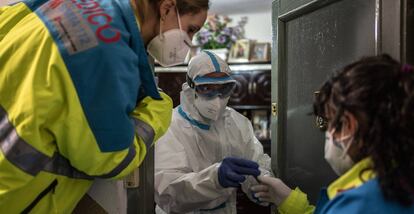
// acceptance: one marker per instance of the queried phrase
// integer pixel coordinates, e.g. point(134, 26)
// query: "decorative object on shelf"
point(260, 52)
point(218, 37)
point(240, 51)
point(222, 52)
point(260, 124)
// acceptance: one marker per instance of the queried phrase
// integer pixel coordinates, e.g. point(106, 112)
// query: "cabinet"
point(171, 83)
point(253, 89)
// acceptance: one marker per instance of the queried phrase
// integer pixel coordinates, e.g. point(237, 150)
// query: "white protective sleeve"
point(254, 152)
point(264, 162)
point(177, 188)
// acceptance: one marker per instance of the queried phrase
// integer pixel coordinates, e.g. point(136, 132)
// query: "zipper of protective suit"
point(50, 188)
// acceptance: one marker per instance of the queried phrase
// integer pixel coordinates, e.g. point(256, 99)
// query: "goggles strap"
point(190, 82)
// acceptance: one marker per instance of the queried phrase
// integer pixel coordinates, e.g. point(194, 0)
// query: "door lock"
point(274, 109)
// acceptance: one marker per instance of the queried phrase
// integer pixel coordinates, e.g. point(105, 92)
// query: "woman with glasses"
point(210, 150)
point(366, 112)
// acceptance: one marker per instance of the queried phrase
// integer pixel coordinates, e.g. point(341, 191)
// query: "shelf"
point(229, 63)
point(250, 107)
point(234, 67)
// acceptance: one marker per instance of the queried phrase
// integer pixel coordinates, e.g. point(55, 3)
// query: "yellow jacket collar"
point(353, 178)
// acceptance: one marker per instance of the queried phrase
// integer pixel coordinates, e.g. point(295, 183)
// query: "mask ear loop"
point(161, 33)
point(350, 142)
point(190, 45)
point(178, 17)
point(339, 143)
point(179, 25)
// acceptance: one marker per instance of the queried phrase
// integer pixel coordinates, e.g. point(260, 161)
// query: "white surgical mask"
point(211, 109)
point(171, 47)
point(336, 153)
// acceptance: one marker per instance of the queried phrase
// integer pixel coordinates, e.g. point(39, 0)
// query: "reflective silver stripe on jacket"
point(124, 164)
point(30, 160)
point(145, 132)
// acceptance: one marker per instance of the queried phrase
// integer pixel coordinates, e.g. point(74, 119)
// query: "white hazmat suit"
point(188, 156)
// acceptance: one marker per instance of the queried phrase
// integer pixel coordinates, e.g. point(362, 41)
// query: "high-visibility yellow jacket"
point(357, 191)
point(78, 101)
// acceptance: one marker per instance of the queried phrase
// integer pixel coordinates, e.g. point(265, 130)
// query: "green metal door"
point(311, 39)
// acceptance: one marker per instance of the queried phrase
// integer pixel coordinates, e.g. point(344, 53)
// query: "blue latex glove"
point(232, 171)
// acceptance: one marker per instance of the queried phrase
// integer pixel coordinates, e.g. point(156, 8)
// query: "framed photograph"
point(260, 122)
point(260, 52)
point(240, 51)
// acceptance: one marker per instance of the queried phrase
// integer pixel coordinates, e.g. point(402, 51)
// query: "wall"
point(259, 13)
point(259, 25)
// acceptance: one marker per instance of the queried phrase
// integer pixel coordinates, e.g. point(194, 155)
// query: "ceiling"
point(239, 6)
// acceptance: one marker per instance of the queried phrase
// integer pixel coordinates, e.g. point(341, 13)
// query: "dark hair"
point(192, 6)
point(379, 92)
point(184, 7)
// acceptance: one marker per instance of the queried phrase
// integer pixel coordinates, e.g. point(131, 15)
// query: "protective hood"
point(205, 63)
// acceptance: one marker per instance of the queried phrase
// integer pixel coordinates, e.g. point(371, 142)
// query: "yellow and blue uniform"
point(78, 101)
point(357, 191)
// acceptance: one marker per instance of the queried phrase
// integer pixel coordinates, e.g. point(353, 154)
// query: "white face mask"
point(211, 109)
point(336, 153)
point(171, 47)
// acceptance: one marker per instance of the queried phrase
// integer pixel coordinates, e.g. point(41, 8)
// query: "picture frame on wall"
point(260, 52)
point(240, 51)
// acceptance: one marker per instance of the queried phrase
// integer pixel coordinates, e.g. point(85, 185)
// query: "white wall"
point(258, 12)
point(259, 25)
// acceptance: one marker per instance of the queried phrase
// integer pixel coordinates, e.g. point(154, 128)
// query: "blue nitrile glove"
point(232, 171)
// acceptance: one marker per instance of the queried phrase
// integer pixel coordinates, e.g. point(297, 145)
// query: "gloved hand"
point(156, 113)
point(271, 190)
point(232, 171)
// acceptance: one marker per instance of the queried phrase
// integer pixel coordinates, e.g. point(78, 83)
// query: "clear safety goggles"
point(211, 91)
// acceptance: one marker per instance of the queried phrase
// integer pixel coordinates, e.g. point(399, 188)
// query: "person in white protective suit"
point(209, 150)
